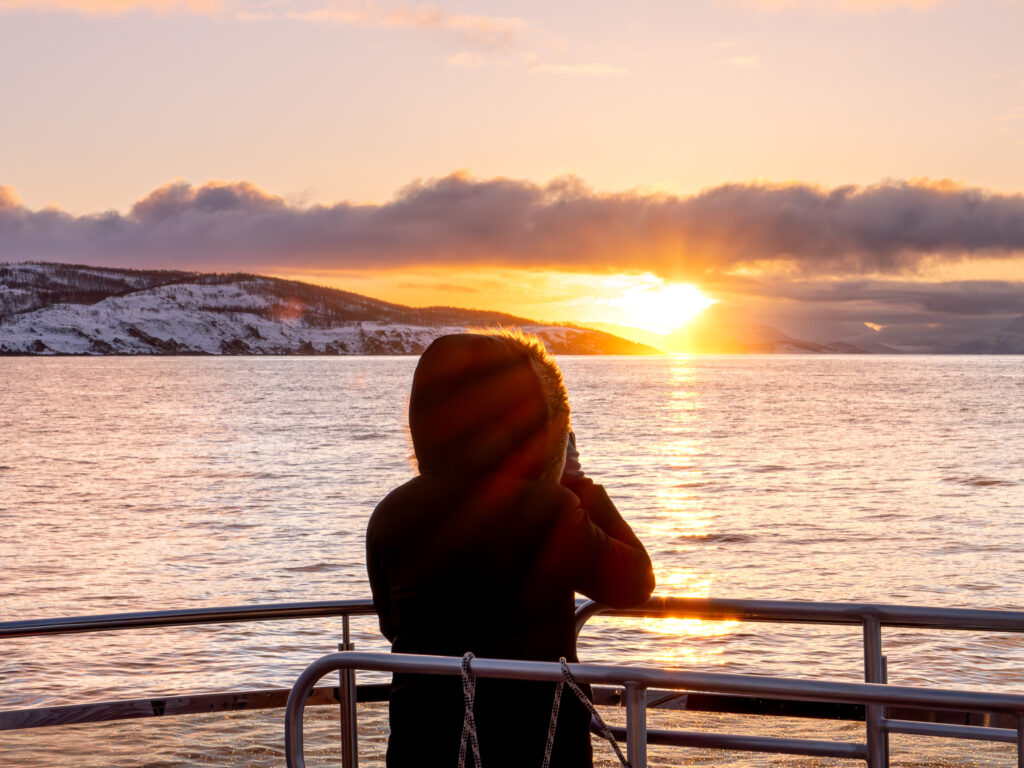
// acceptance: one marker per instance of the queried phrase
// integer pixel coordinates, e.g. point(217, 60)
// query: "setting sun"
point(661, 307)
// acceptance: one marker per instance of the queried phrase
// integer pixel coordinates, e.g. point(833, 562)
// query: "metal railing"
point(184, 703)
point(637, 681)
point(870, 617)
point(180, 618)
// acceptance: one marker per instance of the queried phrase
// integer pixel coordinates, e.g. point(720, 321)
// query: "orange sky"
point(332, 100)
point(639, 306)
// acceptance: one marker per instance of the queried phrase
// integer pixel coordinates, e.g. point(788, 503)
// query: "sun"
point(659, 306)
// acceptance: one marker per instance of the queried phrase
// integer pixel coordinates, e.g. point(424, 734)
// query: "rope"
point(552, 724)
point(469, 719)
point(601, 725)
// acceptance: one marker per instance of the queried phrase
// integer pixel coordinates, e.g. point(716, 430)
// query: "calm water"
point(135, 484)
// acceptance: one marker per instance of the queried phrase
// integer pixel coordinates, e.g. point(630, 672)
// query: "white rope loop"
point(469, 718)
point(552, 725)
point(601, 725)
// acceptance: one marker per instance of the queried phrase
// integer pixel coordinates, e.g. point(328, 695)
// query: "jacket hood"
point(477, 405)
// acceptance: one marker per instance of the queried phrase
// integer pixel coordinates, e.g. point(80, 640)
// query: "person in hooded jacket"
point(485, 549)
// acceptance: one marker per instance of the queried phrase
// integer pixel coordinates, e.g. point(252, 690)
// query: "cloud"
point(493, 40)
point(842, 6)
point(178, 199)
point(961, 298)
point(113, 7)
point(1009, 121)
point(892, 228)
point(467, 60)
point(586, 70)
point(480, 31)
point(9, 197)
point(902, 314)
point(532, 62)
point(444, 287)
point(741, 62)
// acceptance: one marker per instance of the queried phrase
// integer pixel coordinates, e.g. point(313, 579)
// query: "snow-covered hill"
point(711, 335)
point(1008, 340)
point(766, 340)
point(48, 309)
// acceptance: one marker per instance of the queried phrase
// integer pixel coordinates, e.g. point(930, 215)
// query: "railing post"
point(347, 703)
point(874, 714)
point(1020, 740)
point(636, 725)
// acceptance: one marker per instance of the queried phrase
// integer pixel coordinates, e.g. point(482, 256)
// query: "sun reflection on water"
point(692, 633)
point(683, 523)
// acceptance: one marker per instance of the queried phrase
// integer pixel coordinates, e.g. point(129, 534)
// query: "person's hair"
point(550, 375)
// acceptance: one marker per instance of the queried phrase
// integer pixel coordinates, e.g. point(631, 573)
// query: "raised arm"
point(610, 564)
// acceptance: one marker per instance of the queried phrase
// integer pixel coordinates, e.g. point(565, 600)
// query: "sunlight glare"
point(655, 305)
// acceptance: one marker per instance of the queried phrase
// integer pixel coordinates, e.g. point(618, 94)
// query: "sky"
point(837, 169)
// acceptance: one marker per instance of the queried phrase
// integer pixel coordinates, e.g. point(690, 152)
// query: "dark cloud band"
point(887, 228)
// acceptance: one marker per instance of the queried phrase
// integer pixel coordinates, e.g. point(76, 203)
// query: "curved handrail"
point(871, 616)
point(787, 611)
point(807, 612)
point(184, 617)
point(641, 677)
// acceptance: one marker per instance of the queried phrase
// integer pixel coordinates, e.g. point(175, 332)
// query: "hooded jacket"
point(477, 554)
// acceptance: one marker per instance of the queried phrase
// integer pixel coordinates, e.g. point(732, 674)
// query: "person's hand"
point(573, 470)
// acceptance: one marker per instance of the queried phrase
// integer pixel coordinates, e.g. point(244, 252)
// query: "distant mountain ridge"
point(766, 340)
point(713, 335)
point(1008, 340)
point(63, 309)
point(723, 334)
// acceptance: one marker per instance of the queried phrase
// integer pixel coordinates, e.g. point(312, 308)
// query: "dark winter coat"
point(489, 561)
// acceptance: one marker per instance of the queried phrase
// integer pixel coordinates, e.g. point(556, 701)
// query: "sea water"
point(158, 483)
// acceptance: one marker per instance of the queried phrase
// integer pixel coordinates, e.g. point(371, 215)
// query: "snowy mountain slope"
point(712, 337)
point(1008, 340)
point(24, 287)
point(64, 310)
point(764, 339)
point(758, 339)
